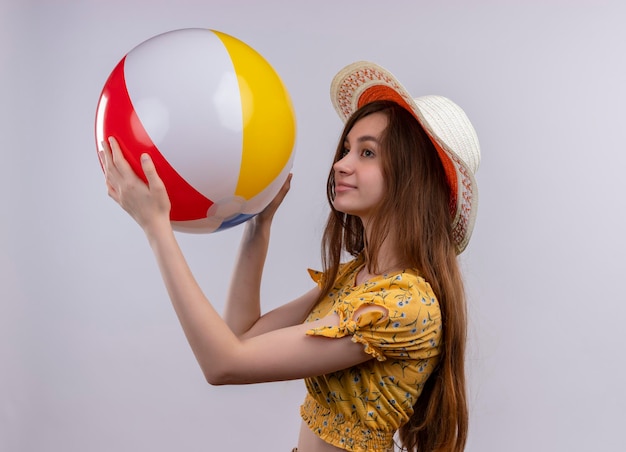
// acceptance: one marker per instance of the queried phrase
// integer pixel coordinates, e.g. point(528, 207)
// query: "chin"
point(347, 211)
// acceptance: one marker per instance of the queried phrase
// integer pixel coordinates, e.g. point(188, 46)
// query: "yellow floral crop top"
point(360, 408)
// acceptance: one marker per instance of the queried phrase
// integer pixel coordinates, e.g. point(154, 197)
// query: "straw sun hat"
point(447, 125)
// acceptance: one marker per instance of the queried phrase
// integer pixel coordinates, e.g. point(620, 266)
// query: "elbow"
point(224, 368)
point(215, 377)
point(220, 375)
point(216, 380)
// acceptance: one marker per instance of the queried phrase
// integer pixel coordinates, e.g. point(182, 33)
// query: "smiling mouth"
point(343, 187)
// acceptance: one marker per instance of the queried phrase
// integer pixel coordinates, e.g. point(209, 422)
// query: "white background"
point(91, 355)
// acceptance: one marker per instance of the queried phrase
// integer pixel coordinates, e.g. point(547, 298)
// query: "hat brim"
point(363, 82)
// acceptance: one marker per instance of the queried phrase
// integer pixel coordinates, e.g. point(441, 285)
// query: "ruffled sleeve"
point(316, 276)
point(405, 322)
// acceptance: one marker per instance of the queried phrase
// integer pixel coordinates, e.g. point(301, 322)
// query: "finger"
point(104, 153)
point(284, 189)
point(272, 207)
point(287, 184)
point(101, 158)
point(112, 192)
point(147, 165)
point(105, 157)
point(110, 172)
point(119, 161)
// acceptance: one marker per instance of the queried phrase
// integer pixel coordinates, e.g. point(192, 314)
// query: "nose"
point(343, 165)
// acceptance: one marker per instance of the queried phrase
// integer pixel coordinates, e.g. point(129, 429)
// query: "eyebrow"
point(365, 138)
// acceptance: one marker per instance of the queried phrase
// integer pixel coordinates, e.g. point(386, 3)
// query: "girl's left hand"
point(148, 204)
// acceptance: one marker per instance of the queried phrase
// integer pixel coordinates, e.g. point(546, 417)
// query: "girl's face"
point(358, 173)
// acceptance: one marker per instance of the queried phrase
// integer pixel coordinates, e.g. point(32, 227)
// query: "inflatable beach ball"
point(215, 118)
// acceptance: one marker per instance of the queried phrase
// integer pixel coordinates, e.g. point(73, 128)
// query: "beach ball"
point(214, 116)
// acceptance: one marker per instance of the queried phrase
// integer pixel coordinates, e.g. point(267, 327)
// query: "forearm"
point(243, 305)
point(211, 340)
point(215, 346)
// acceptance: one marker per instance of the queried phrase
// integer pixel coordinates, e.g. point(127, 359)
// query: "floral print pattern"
point(360, 408)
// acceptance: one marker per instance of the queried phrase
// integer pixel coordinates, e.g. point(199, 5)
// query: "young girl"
point(380, 340)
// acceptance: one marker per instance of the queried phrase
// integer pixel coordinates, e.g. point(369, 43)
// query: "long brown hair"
point(416, 207)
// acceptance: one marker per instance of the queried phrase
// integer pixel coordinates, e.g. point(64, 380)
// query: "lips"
point(342, 187)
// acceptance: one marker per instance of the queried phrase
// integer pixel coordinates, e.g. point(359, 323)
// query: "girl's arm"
point(243, 305)
point(225, 358)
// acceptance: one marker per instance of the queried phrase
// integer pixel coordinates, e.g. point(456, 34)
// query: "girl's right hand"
point(147, 203)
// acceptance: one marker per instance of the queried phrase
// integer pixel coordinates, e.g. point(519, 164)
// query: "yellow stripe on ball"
point(268, 118)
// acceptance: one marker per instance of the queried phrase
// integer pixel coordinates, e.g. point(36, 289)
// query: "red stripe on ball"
point(121, 121)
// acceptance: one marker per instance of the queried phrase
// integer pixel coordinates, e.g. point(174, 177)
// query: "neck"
point(384, 264)
point(384, 261)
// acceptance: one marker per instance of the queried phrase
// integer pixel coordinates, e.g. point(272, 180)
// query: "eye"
point(368, 153)
point(343, 153)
